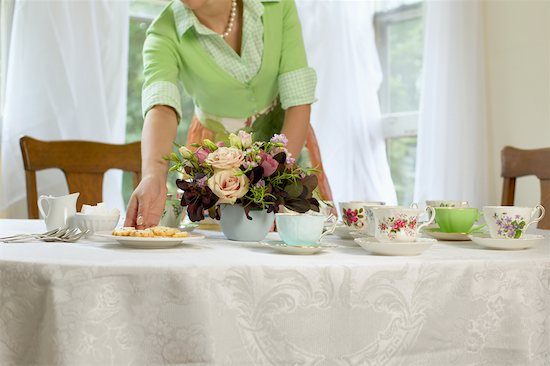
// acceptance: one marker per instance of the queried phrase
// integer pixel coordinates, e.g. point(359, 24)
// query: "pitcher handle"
point(40, 208)
point(534, 220)
point(430, 221)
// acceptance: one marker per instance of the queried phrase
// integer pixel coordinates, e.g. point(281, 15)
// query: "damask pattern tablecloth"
point(222, 303)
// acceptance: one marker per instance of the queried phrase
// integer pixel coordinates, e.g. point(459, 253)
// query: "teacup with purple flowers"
point(509, 222)
point(354, 214)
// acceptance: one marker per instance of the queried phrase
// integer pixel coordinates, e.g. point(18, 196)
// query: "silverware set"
point(61, 235)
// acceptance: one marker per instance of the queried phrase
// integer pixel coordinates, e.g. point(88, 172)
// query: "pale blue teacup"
point(301, 229)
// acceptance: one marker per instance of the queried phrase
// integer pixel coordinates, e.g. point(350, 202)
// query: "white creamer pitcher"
point(58, 210)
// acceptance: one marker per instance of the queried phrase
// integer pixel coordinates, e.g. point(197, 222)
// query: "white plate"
point(526, 242)
point(396, 248)
point(149, 243)
point(281, 246)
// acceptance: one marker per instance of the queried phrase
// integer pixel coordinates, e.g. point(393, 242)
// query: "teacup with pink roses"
point(257, 175)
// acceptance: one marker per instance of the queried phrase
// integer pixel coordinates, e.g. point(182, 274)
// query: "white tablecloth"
point(220, 303)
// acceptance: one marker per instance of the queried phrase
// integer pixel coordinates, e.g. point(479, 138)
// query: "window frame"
point(402, 124)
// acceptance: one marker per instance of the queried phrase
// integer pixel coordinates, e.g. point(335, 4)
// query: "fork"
point(58, 235)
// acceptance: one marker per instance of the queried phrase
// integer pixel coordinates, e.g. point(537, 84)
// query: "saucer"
point(436, 233)
point(525, 242)
point(344, 232)
point(282, 247)
point(408, 248)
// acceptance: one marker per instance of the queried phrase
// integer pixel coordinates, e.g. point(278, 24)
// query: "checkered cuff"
point(297, 87)
point(161, 93)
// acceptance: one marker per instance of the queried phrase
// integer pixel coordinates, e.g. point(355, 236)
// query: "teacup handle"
point(41, 199)
point(430, 221)
point(534, 220)
point(332, 228)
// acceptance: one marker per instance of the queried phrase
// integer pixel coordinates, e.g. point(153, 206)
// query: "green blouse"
point(183, 56)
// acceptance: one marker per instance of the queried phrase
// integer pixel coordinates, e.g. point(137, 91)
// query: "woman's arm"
point(295, 127)
point(147, 202)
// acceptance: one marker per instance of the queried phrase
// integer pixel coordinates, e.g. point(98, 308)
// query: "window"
point(399, 37)
point(142, 13)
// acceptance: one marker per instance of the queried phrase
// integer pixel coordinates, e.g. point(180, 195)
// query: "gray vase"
point(236, 226)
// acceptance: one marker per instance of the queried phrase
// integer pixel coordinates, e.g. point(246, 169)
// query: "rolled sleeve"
point(160, 71)
point(297, 81)
point(161, 93)
point(297, 87)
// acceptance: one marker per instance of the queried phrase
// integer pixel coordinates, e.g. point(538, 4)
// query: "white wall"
point(518, 70)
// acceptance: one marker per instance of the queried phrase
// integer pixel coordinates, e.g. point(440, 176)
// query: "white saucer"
point(441, 235)
point(396, 248)
point(344, 232)
point(527, 241)
point(149, 243)
point(282, 247)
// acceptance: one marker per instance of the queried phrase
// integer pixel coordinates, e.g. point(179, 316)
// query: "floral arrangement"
point(256, 175)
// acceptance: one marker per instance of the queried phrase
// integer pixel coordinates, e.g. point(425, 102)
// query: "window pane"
point(405, 63)
point(402, 158)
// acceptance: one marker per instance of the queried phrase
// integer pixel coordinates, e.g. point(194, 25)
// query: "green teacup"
point(456, 219)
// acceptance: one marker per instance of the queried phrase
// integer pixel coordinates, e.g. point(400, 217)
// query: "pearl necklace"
point(232, 17)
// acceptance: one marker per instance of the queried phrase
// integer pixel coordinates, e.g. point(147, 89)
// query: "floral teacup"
point(399, 224)
point(354, 213)
point(173, 213)
point(509, 222)
point(447, 203)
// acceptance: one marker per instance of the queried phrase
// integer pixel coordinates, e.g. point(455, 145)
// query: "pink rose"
point(202, 154)
point(225, 158)
point(269, 164)
point(228, 186)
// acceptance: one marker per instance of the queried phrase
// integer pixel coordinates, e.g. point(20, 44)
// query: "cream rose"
point(227, 186)
point(225, 158)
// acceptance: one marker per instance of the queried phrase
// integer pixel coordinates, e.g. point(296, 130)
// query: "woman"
point(243, 62)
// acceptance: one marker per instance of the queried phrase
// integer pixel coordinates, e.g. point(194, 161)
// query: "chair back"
point(84, 164)
point(519, 163)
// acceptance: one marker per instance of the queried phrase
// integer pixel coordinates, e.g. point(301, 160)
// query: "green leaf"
point(518, 234)
point(294, 190)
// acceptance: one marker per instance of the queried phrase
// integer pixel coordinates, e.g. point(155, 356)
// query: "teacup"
point(354, 213)
point(456, 219)
point(399, 224)
point(173, 212)
point(301, 229)
point(509, 222)
point(447, 203)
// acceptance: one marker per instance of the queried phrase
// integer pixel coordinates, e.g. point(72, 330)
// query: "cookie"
point(164, 231)
point(125, 231)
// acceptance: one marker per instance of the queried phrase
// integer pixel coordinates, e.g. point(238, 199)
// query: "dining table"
point(220, 302)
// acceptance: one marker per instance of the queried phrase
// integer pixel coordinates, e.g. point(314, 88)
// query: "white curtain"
point(6, 16)
point(340, 44)
point(67, 77)
point(452, 135)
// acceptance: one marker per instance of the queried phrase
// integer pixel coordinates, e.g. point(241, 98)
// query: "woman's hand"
point(147, 203)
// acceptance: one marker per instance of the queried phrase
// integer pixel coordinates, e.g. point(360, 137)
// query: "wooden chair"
point(519, 163)
point(83, 162)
